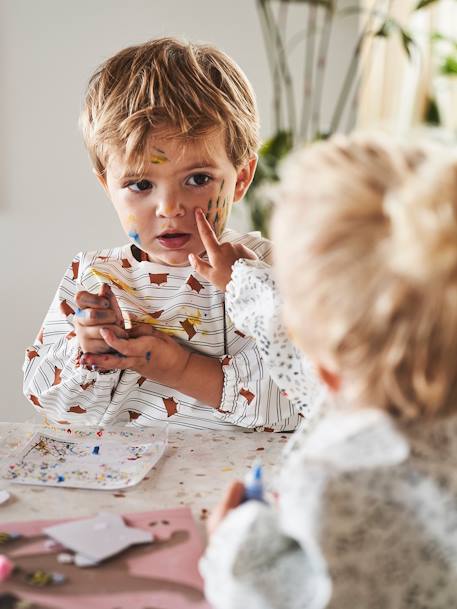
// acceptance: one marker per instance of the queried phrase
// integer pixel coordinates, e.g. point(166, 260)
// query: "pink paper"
point(161, 575)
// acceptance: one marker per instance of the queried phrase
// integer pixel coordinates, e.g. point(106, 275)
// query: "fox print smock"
point(174, 300)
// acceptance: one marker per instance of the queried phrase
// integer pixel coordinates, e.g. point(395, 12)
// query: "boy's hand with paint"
point(159, 357)
point(96, 311)
point(221, 256)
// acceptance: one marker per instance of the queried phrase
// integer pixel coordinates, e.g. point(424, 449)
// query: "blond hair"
point(366, 253)
point(165, 85)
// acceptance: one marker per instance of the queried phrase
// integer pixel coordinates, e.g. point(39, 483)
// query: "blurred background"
point(317, 66)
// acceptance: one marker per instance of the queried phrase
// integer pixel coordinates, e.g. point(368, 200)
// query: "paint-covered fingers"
point(86, 300)
point(105, 361)
point(90, 340)
point(107, 292)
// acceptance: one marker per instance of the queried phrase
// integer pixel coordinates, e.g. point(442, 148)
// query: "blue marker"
point(253, 484)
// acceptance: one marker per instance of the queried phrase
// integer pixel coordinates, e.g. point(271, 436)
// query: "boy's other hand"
point(147, 351)
point(221, 256)
point(94, 312)
point(232, 499)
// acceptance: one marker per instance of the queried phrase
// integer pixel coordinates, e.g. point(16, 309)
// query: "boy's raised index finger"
point(207, 234)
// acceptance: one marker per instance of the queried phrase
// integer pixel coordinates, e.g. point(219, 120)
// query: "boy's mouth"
point(173, 241)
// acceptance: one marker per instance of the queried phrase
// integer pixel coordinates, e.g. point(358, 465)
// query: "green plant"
point(300, 123)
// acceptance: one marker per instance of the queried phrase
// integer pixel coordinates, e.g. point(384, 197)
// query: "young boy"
point(133, 332)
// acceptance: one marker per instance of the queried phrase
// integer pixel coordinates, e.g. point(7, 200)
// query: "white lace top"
point(254, 305)
point(366, 519)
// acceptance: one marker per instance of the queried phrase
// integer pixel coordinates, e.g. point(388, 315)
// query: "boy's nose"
point(169, 207)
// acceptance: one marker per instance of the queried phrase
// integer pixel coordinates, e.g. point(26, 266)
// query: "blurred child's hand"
point(232, 499)
point(147, 351)
point(221, 256)
point(97, 311)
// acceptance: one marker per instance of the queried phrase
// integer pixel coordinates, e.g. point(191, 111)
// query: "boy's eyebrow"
point(130, 173)
point(200, 165)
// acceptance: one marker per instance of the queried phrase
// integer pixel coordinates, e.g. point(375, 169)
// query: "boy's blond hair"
point(167, 86)
point(366, 251)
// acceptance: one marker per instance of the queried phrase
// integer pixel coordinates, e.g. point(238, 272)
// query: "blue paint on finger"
point(148, 356)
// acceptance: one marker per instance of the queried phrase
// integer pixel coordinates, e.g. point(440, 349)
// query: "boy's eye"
point(199, 179)
point(140, 186)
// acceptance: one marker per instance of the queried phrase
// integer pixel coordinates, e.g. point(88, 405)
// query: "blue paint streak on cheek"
point(135, 236)
point(148, 356)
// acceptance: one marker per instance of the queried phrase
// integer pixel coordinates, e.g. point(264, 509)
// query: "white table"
point(194, 471)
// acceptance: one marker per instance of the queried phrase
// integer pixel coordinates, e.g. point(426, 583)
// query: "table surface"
point(194, 471)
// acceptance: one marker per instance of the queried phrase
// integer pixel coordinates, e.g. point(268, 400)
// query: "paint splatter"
point(148, 356)
point(96, 450)
point(31, 353)
point(135, 236)
point(160, 158)
point(113, 279)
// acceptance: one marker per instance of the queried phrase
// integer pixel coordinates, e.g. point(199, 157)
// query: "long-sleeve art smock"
point(366, 517)
point(174, 300)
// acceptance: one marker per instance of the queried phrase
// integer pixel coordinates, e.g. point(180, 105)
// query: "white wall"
point(50, 204)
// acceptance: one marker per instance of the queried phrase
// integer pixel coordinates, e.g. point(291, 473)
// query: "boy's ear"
point(244, 178)
point(331, 379)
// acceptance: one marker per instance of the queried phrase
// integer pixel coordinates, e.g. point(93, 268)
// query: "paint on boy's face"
point(157, 205)
point(134, 235)
point(159, 158)
point(217, 214)
point(132, 232)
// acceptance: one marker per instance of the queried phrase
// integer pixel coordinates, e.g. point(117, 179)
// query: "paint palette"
point(89, 458)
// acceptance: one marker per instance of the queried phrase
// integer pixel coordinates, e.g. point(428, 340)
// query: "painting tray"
point(91, 458)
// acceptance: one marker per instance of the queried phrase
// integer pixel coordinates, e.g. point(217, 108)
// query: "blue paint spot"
point(60, 478)
point(80, 312)
point(135, 236)
point(96, 450)
point(148, 356)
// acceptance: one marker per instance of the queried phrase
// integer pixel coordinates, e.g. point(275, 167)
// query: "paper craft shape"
point(86, 458)
point(159, 575)
point(98, 538)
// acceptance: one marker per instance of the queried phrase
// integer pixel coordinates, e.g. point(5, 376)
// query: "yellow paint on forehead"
point(158, 159)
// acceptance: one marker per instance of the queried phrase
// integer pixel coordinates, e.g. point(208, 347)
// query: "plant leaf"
point(449, 66)
point(407, 42)
point(424, 3)
point(386, 28)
